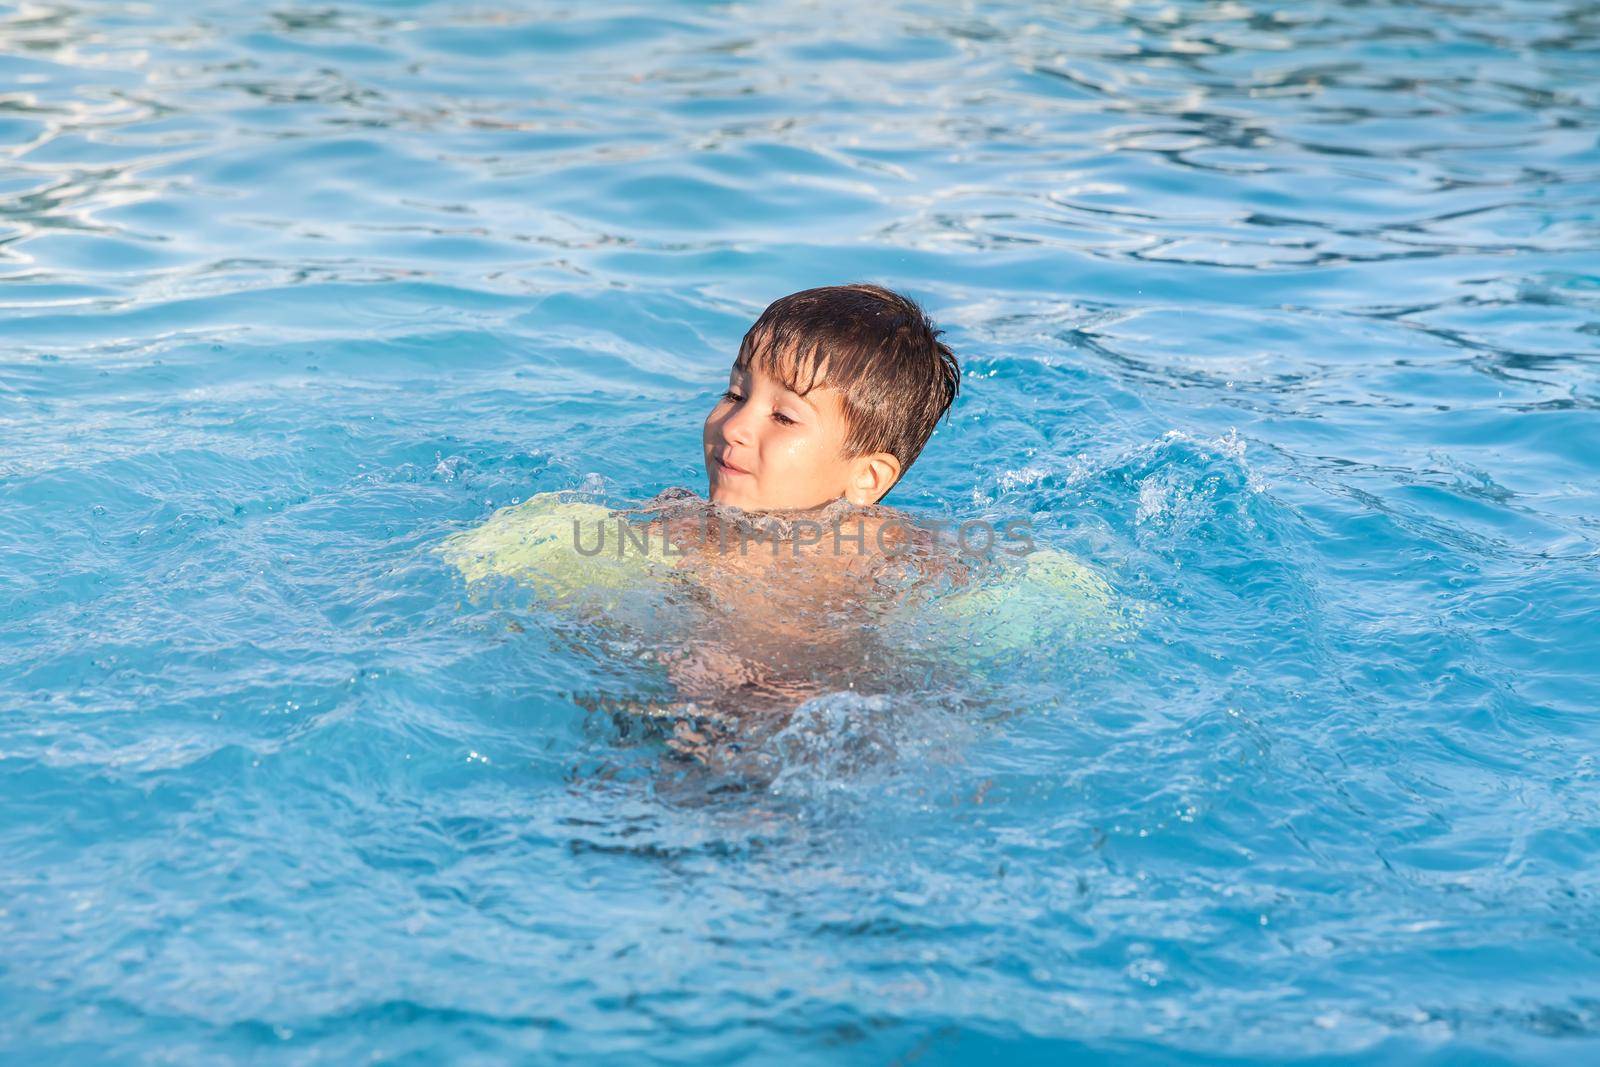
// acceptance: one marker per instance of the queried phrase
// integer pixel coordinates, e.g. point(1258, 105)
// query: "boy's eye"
point(777, 416)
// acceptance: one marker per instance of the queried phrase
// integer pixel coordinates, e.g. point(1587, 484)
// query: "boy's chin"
point(737, 496)
point(730, 496)
point(722, 494)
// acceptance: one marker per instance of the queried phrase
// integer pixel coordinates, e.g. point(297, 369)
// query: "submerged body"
point(752, 614)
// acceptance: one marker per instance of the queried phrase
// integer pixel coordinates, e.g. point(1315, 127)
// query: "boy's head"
point(833, 394)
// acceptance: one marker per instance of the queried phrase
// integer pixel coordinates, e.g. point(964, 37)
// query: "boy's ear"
point(872, 476)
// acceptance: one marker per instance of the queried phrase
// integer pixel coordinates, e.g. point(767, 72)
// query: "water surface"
point(1285, 316)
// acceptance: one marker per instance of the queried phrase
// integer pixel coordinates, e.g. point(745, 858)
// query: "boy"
point(832, 397)
point(793, 580)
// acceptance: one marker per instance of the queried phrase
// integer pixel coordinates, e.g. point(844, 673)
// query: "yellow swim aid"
point(1035, 602)
point(1025, 603)
point(537, 543)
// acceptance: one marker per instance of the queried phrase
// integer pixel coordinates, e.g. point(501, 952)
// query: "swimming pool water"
point(1287, 317)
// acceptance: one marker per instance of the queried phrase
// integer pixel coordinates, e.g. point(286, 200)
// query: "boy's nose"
point(736, 428)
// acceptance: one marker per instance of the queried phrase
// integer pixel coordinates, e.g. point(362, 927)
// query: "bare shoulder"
point(834, 550)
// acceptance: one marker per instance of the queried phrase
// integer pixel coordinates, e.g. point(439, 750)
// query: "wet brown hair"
point(877, 347)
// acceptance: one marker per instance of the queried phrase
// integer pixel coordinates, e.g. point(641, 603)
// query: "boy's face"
point(770, 449)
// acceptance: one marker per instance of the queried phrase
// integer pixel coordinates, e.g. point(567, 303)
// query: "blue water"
point(1285, 316)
